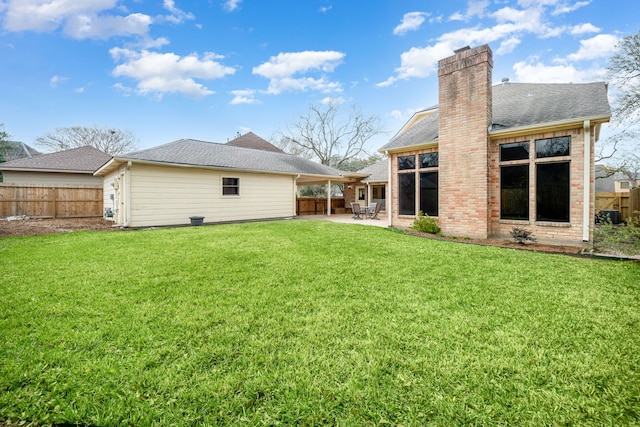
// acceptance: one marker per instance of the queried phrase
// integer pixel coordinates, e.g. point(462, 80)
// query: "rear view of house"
point(489, 158)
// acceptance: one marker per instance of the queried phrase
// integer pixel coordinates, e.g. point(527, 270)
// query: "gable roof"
point(15, 150)
point(189, 152)
point(523, 106)
point(251, 140)
point(75, 160)
point(377, 172)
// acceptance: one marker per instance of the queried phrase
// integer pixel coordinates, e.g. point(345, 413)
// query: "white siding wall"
point(51, 179)
point(108, 190)
point(170, 195)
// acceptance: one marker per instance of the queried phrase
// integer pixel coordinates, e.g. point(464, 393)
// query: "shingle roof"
point(211, 154)
point(377, 172)
point(251, 140)
point(83, 159)
point(518, 105)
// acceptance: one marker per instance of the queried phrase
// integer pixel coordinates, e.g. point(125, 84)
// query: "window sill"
point(553, 224)
point(515, 221)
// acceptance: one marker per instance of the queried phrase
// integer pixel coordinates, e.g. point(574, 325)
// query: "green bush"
point(521, 235)
point(426, 224)
point(612, 238)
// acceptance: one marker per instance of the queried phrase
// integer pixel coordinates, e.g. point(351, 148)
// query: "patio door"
point(361, 196)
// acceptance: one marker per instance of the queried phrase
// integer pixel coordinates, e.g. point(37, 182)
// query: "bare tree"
point(5, 144)
point(321, 134)
point(624, 72)
point(111, 141)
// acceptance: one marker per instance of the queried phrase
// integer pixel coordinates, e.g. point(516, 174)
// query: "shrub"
point(623, 238)
point(426, 224)
point(521, 235)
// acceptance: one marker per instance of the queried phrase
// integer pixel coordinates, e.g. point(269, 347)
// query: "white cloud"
point(507, 46)
point(53, 82)
point(600, 46)
point(177, 16)
point(98, 19)
point(410, 22)
point(565, 7)
point(160, 73)
point(540, 73)
point(231, 5)
point(281, 70)
point(79, 90)
point(104, 27)
point(583, 29)
point(474, 8)
point(244, 96)
point(511, 26)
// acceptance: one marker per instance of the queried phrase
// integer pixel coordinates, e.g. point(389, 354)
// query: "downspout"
point(389, 192)
point(586, 209)
point(127, 195)
point(295, 195)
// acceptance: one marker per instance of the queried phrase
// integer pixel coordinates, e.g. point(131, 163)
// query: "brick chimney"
point(464, 82)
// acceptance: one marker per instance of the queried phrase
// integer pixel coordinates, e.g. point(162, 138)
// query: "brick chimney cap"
point(462, 49)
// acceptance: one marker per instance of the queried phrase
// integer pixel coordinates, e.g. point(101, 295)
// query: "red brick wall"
point(465, 104)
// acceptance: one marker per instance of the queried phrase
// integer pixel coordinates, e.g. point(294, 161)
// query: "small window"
point(514, 151)
point(429, 160)
point(624, 185)
point(406, 162)
point(230, 186)
point(553, 147)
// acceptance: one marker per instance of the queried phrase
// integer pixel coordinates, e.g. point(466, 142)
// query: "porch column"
point(329, 198)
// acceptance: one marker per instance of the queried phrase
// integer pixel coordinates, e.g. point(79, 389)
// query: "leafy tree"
point(111, 141)
point(323, 134)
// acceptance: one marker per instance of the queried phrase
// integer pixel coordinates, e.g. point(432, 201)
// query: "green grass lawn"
point(312, 323)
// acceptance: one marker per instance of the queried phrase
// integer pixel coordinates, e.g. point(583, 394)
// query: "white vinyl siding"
point(170, 195)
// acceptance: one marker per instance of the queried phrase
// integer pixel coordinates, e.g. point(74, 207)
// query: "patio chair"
point(370, 209)
point(373, 214)
point(355, 208)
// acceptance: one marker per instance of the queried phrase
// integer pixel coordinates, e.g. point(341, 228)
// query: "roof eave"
point(548, 127)
point(421, 146)
point(121, 160)
point(10, 169)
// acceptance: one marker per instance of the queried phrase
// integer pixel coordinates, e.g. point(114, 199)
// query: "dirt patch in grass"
point(38, 226)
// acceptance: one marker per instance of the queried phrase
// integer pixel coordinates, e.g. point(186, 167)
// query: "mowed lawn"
point(312, 323)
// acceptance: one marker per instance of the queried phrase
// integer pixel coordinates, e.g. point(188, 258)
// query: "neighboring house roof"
point(522, 106)
point(606, 184)
point(189, 152)
point(18, 150)
point(251, 140)
point(76, 160)
point(377, 172)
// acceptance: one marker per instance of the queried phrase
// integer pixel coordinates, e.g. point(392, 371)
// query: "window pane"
point(552, 192)
point(407, 193)
point(553, 147)
point(230, 186)
point(406, 162)
point(515, 151)
point(429, 193)
point(429, 160)
point(514, 192)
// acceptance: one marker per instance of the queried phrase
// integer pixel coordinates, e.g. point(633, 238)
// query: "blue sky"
point(208, 69)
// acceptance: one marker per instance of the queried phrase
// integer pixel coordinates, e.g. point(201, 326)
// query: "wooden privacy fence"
point(50, 202)
point(624, 202)
point(318, 206)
